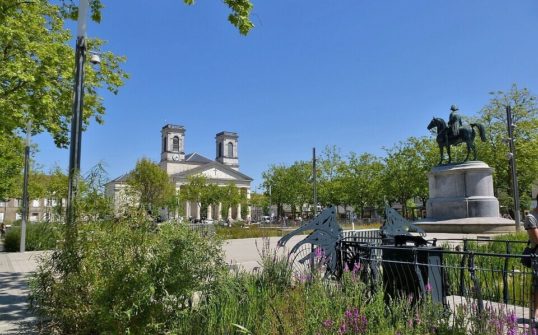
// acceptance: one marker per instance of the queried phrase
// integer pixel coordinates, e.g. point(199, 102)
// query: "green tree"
point(11, 163)
point(239, 17)
point(494, 151)
point(150, 187)
point(289, 185)
point(36, 71)
point(331, 177)
point(201, 192)
point(404, 174)
point(363, 182)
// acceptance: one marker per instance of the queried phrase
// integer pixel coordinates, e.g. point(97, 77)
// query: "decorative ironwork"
point(395, 225)
point(326, 235)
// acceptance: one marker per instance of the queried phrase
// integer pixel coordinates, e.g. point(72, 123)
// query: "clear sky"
point(358, 74)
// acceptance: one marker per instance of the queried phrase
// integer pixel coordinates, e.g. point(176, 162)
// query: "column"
point(249, 208)
point(230, 213)
point(219, 214)
point(187, 210)
point(210, 212)
point(239, 211)
point(198, 207)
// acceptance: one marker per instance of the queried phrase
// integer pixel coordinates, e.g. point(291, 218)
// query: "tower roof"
point(227, 134)
point(173, 126)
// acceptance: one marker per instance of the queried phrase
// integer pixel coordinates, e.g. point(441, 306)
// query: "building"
point(39, 210)
point(179, 166)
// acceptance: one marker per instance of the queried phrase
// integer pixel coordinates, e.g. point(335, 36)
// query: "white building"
point(179, 166)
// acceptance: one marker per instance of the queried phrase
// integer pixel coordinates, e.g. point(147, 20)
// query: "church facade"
point(222, 171)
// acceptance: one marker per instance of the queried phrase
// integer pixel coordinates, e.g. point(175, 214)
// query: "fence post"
point(476, 284)
point(462, 268)
point(505, 273)
point(417, 271)
point(532, 305)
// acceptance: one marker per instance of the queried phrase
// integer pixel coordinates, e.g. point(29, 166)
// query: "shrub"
point(128, 279)
point(39, 236)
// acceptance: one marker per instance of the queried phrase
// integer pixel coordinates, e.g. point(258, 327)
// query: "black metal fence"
point(485, 274)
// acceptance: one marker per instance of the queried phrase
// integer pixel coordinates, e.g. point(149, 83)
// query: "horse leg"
point(449, 155)
point(468, 150)
point(441, 150)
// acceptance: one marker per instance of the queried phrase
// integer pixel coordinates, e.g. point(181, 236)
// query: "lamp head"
point(95, 59)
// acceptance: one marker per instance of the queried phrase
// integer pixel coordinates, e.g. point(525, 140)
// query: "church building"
point(222, 171)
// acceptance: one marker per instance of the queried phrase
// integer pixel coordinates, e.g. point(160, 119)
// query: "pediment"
point(215, 171)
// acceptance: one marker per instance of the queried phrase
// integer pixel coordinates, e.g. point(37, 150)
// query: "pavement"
point(16, 267)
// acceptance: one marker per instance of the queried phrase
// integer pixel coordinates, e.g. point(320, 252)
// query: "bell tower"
point(172, 143)
point(227, 149)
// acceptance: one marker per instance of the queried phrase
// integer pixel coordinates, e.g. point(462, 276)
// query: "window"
point(175, 144)
point(1, 217)
point(46, 217)
point(164, 143)
point(54, 203)
point(35, 203)
point(17, 216)
point(2, 203)
point(34, 217)
point(230, 149)
point(220, 149)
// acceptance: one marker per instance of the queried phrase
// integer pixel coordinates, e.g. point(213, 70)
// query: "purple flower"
point(428, 288)
point(328, 323)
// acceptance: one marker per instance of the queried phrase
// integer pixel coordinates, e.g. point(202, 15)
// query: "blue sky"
point(361, 75)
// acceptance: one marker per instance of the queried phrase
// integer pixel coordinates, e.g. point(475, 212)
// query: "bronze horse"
point(446, 139)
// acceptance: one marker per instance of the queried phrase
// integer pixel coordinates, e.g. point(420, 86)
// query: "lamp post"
point(76, 121)
point(512, 162)
point(314, 182)
point(25, 198)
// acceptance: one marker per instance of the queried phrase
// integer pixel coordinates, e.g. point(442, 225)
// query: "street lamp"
point(76, 120)
point(25, 198)
point(512, 162)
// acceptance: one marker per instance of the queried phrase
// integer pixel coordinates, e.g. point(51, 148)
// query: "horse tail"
point(481, 130)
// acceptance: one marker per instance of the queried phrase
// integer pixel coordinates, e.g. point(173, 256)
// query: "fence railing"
point(202, 228)
point(485, 274)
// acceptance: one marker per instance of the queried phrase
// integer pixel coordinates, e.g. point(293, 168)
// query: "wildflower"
point(428, 288)
point(342, 329)
point(328, 323)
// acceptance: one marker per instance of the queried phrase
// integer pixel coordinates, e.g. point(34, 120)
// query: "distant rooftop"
point(174, 126)
point(227, 133)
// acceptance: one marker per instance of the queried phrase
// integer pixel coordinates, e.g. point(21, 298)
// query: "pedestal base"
point(484, 225)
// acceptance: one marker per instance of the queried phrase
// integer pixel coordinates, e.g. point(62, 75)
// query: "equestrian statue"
point(456, 133)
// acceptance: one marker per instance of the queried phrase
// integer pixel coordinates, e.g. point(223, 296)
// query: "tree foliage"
point(150, 186)
point(36, 71)
point(495, 150)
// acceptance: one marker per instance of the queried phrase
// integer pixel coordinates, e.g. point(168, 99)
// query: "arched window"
point(175, 144)
point(220, 149)
point(230, 149)
point(164, 143)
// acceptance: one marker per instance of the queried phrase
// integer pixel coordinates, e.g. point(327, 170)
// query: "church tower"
point(172, 139)
point(227, 149)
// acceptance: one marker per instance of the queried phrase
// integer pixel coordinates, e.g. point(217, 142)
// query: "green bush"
point(127, 278)
point(39, 236)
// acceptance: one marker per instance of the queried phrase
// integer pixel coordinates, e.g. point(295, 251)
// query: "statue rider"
point(454, 122)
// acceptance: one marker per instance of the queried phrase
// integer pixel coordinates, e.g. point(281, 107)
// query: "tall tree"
point(363, 182)
point(150, 186)
point(331, 183)
point(403, 174)
point(494, 151)
point(36, 71)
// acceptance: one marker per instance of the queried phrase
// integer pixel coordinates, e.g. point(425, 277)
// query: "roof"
point(197, 158)
point(120, 179)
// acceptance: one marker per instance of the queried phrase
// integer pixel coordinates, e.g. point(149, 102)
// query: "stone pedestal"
point(462, 199)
